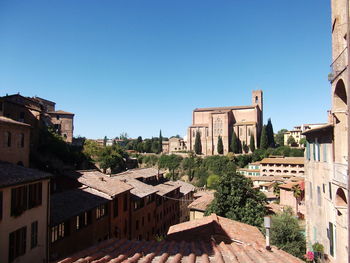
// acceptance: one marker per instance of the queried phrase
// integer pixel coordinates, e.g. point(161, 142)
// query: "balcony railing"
point(338, 65)
point(340, 173)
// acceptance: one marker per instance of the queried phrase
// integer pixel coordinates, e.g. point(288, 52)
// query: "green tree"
point(220, 145)
point(234, 143)
point(160, 143)
point(287, 235)
point(105, 141)
point(236, 199)
point(252, 143)
point(245, 148)
point(213, 181)
point(276, 189)
point(91, 149)
point(147, 146)
point(198, 143)
point(302, 142)
point(189, 165)
point(171, 162)
point(270, 134)
point(112, 158)
point(297, 193)
point(291, 141)
point(264, 140)
point(279, 138)
point(155, 146)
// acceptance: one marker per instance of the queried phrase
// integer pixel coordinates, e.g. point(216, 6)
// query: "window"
point(325, 152)
point(318, 155)
point(307, 150)
point(7, 141)
point(21, 116)
point(18, 200)
point(101, 211)
point(324, 188)
point(115, 207)
point(319, 195)
point(83, 220)
point(331, 234)
point(59, 231)
point(34, 235)
point(17, 243)
point(21, 140)
point(35, 195)
point(314, 151)
point(1, 106)
point(125, 203)
point(57, 117)
point(330, 190)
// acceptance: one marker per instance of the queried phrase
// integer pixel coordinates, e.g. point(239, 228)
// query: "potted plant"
point(318, 251)
point(309, 256)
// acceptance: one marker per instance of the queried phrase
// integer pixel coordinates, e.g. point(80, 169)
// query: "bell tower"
point(257, 98)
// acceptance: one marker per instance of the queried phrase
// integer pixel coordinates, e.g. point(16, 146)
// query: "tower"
point(257, 98)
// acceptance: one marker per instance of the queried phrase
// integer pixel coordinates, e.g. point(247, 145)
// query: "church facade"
point(211, 123)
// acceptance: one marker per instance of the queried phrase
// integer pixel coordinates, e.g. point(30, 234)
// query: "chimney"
point(267, 225)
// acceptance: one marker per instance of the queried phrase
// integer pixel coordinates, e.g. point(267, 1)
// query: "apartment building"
point(24, 214)
point(282, 166)
point(326, 167)
point(297, 131)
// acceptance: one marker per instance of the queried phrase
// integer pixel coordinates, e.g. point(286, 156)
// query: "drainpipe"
point(348, 115)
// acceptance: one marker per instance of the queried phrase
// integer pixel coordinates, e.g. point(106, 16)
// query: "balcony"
point(340, 174)
point(338, 65)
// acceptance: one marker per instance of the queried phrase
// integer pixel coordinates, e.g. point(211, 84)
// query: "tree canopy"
point(279, 138)
point(234, 143)
point(286, 234)
point(264, 143)
point(236, 199)
point(252, 143)
point(270, 134)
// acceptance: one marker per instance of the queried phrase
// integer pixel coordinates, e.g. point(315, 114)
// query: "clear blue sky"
point(138, 66)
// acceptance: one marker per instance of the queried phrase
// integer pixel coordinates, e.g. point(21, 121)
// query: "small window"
point(7, 141)
point(83, 220)
point(17, 243)
point(330, 190)
point(57, 117)
point(325, 152)
point(21, 140)
point(101, 211)
point(59, 231)
point(1, 106)
point(21, 116)
point(115, 207)
point(34, 235)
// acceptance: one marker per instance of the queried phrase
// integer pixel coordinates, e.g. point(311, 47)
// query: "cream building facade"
point(326, 166)
point(296, 133)
point(211, 123)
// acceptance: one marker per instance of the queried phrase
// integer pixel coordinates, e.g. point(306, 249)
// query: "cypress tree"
point(264, 139)
point(234, 143)
point(270, 135)
point(105, 141)
point(252, 143)
point(198, 143)
point(160, 142)
point(220, 145)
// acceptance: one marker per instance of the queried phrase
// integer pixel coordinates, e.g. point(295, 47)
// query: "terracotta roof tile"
point(11, 174)
point(225, 108)
point(203, 201)
point(284, 160)
point(101, 182)
point(185, 188)
point(169, 251)
point(61, 112)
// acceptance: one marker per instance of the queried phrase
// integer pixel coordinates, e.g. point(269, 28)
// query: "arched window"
point(339, 96)
point(340, 199)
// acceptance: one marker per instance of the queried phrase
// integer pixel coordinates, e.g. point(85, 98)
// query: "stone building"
point(37, 112)
point(211, 123)
point(326, 166)
point(174, 145)
point(24, 214)
point(14, 141)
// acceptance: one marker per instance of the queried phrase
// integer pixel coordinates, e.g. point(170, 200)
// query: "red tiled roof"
point(113, 250)
point(203, 201)
point(221, 228)
point(284, 160)
point(61, 112)
point(290, 185)
point(225, 108)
